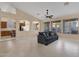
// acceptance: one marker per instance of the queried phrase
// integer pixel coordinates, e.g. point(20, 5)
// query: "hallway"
point(28, 47)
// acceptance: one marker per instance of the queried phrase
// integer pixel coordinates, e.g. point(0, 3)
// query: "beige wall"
point(20, 15)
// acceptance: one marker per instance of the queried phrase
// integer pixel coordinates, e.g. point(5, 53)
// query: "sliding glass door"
point(67, 29)
point(74, 27)
point(71, 26)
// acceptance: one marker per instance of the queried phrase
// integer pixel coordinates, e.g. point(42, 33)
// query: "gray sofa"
point(47, 37)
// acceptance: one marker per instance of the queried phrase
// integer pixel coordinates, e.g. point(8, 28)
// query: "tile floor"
point(28, 47)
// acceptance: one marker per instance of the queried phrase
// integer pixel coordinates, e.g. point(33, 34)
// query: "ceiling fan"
point(47, 15)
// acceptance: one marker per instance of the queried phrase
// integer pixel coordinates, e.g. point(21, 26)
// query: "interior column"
point(62, 28)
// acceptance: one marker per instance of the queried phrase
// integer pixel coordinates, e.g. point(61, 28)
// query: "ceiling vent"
point(66, 3)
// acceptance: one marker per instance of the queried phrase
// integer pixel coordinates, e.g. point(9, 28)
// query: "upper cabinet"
point(3, 24)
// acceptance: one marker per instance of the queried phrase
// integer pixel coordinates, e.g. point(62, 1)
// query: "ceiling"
point(38, 9)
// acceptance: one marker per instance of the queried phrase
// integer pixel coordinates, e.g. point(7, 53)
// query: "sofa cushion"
point(45, 34)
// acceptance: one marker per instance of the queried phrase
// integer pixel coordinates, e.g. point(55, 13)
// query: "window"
point(74, 27)
point(46, 26)
point(56, 26)
point(11, 24)
point(71, 26)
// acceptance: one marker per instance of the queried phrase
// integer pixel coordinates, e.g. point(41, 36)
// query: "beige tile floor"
point(28, 47)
